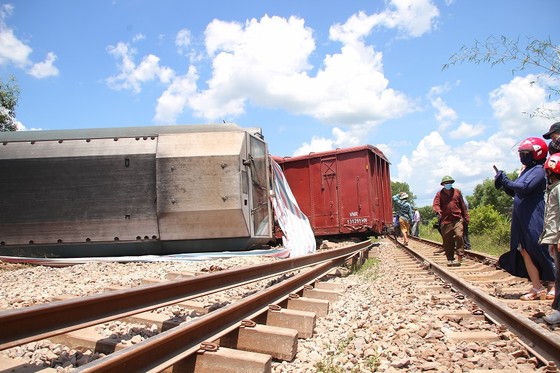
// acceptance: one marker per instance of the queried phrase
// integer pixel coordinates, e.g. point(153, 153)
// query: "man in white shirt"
point(415, 230)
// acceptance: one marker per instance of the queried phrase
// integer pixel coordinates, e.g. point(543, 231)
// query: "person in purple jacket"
point(527, 258)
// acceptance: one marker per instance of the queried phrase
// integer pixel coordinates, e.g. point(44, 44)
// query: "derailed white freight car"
point(134, 191)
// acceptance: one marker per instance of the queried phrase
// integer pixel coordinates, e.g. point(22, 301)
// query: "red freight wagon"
point(344, 191)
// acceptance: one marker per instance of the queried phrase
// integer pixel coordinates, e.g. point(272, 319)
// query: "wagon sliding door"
point(325, 196)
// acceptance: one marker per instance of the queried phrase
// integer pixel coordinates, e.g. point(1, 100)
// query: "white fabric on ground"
point(298, 236)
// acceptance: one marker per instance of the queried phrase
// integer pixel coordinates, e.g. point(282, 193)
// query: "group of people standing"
point(535, 223)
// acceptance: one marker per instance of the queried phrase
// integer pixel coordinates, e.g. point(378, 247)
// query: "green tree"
point(486, 194)
point(542, 54)
point(9, 94)
point(426, 214)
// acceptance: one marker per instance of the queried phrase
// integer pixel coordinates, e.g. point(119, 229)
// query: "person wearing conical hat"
point(404, 213)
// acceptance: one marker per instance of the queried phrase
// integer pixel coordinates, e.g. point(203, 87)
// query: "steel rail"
point(42, 321)
point(169, 348)
point(482, 257)
point(543, 342)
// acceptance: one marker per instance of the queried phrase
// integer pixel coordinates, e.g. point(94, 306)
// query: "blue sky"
point(314, 75)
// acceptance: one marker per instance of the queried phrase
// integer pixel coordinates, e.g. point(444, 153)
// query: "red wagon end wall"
point(343, 191)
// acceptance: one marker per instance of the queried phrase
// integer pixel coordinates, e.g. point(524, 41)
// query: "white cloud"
point(132, 76)
point(444, 114)
point(412, 18)
point(16, 52)
point(317, 144)
point(439, 90)
point(138, 37)
point(351, 88)
point(12, 50)
point(266, 62)
point(386, 149)
point(466, 131)
point(521, 95)
point(172, 102)
point(341, 139)
point(221, 35)
point(183, 40)
point(355, 28)
point(429, 153)
point(44, 69)
point(467, 164)
point(254, 61)
point(344, 139)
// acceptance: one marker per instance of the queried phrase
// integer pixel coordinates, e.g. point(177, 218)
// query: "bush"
point(502, 232)
point(484, 219)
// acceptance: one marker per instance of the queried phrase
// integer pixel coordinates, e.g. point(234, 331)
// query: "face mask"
point(448, 186)
point(554, 146)
point(550, 178)
point(526, 159)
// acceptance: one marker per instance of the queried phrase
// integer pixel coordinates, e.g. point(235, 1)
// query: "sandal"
point(551, 294)
point(534, 294)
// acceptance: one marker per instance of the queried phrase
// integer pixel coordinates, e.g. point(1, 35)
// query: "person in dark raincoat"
point(527, 258)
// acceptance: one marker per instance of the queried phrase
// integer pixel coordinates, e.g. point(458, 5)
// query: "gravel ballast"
point(380, 323)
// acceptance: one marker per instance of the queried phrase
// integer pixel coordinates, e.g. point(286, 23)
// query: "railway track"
point(417, 317)
point(495, 292)
point(197, 345)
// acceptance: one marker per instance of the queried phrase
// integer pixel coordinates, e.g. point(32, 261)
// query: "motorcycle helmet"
point(536, 146)
point(553, 163)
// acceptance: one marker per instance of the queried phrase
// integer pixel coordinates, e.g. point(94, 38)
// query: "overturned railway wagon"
point(343, 192)
point(133, 191)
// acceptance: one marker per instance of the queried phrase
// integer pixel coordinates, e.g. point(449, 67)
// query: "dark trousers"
point(452, 235)
point(466, 236)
